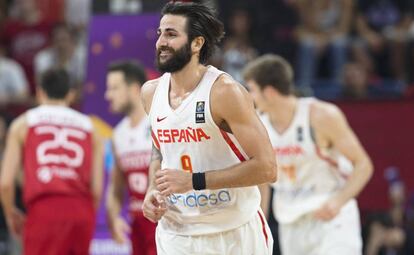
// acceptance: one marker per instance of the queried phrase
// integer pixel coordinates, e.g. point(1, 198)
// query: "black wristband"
point(199, 181)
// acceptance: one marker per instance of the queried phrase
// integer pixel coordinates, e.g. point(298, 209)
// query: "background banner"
point(113, 38)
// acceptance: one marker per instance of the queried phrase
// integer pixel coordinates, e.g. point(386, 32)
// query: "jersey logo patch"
point(200, 115)
point(161, 119)
point(299, 134)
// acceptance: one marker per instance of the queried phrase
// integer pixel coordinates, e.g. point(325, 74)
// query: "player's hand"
point(15, 222)
point(171, 181)
point(329, 209)
point(154, 206)
point(119, 230)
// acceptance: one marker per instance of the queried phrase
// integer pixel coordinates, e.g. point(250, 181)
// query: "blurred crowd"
point(341, 50)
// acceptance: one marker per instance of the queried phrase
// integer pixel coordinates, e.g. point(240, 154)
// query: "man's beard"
point(178, 59)
point(126, 109)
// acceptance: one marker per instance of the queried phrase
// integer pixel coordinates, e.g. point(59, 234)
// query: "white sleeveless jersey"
point(307, 175)
point(189, 140)
point(133, 151)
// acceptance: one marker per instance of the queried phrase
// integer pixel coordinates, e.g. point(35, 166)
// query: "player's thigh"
point(342, 235)
point(149, 240)
point(82, 234)
point(143, 237)
point(254, 237)
point(291, 239)
point(137, 241)
point(45, 237)
point(171, 244)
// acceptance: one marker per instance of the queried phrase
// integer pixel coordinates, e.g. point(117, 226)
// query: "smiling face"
point(173, 49)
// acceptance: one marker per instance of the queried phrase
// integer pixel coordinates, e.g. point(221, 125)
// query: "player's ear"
point(269, 91)
point(197, 44)
point(135, 87)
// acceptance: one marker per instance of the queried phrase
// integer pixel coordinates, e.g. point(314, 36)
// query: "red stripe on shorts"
point(263, 228)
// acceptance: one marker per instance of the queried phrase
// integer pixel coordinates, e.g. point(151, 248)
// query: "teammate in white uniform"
point(314, 196)
point(132, 149)
point(214, 149)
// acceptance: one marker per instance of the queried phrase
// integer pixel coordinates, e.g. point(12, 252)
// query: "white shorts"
point(252, 238)
point(340, 236)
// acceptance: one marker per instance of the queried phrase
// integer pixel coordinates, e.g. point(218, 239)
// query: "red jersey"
point(133, 151)
point(57, 153)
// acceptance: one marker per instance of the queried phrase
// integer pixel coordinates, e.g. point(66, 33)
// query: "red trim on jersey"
point(154, 139)
point(330, 161)
point(232, 145)
point(263, 228)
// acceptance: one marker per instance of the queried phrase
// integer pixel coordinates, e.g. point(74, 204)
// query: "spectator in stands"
point(3, 8)
point(390, 232)
point(13, 84)
point(77, 14)
point(25, 35)
point(383, 237)
point(324, 27)
point(396, 192)
point(125, 6)
point(357, 85)
point(382, 28)
point(355, 82)
point(237, 50)
point(64, 53)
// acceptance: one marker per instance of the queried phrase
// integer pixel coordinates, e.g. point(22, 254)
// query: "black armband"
point(199, 181)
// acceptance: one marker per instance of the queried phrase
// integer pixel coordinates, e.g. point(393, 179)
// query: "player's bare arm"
point(233, 111)
point(265, 201)
point(241, 118)
point(10, 167)
point(116, 189)
point(97, 171)
point(332, 130)
point(154, 205)
point(147, 93)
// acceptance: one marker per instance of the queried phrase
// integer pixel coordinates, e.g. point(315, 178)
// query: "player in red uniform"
point(132, 147)
point(61, 158)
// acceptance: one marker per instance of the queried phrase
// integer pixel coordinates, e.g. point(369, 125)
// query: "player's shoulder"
point(18, 127)
point(150, 85)
point(19, 122)
point(325, 113)
point(227, 87)
point(82, 120)
point(148, 91)
point(229, 99)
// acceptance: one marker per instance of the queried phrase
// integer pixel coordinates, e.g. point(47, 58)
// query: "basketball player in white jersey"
point(132, 148)
point(314, 199)
point(214, 149)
